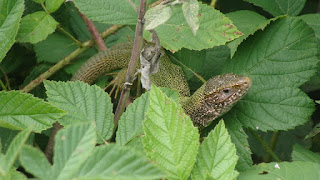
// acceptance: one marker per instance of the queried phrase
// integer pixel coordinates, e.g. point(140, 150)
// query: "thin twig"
point(155, 3)
point(193, 72)
point(3, 86)
point(66, 60)
point(69, 36)
point(265, 145)
point(94, 32)
point(138, 42)
point(6, 78)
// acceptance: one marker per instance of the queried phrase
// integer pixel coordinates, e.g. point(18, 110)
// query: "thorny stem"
point(94, 32)
point(69, 36)
point(273, 143)
point(63, 62)
point(137, 46)
point(265, 145)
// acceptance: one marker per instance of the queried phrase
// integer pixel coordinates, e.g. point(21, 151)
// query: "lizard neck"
point(195, 107)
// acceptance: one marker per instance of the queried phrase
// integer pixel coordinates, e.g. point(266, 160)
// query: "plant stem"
point(44, 8)
point(213, 3)
point(273, 144)
point(63, 62)
point(3, 86)
point(69, 36)
point(265, 145)
point(137, 46)
point(193, 72)
point(94, 32)
point(6, 78)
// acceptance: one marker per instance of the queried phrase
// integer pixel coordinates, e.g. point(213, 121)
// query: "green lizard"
point(210, 101)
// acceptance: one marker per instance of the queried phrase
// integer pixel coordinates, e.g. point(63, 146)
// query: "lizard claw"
point(117, 83)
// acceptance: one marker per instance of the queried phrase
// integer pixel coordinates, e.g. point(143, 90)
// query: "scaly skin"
point(210, 101)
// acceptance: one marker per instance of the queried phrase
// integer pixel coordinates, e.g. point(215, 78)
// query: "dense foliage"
point(271, 133)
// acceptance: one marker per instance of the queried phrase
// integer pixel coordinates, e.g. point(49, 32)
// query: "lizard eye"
point(226, 91)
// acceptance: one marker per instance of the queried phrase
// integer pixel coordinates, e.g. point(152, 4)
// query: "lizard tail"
point(116, 57)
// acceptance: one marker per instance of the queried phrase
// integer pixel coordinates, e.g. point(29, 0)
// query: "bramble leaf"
point(282, 170)
point(280, 7)
point(190, 11)
point(299, 153)
point(157, 16)
point(53, 5)
point(215, 29)
point(109, 11)
point(170, 138)
point(10, 13)
point(23, 111)
point(278, 60)
point(35, 162)
point(7, 160)
point(84, 103)
point(217, 156)
point(114, 162)
point(36, 27)
point(72, 147)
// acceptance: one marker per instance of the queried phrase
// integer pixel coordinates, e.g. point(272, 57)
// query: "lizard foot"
point(118, 82)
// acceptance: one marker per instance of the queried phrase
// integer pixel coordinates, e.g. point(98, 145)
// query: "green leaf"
point(72, 147)
point(35, 162)
point(299, 153)
point(215, 29)
point(206, 63)
point(283, 148)
point(45, 49)
point(13, 151)
point(10, 13)
point(190, 11)
point(114, 162)
point(38, 1)
point(14, 174)
point(84, 103)
point(130, 123)
point(157, 16)
point(36, 27)
point(53, 5)
point(21, 111)
point(109, 11)
point(217, 156)
point(171, 93)
point(285, 170)
point(280, 7)
point(170, 138)
point(6, 137)
point(278, 60)
point(240, 139)
point(312, 20)
point(248, 22)
point(315, 130)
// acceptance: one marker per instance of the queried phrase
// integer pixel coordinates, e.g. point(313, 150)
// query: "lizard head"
point(223, 91)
